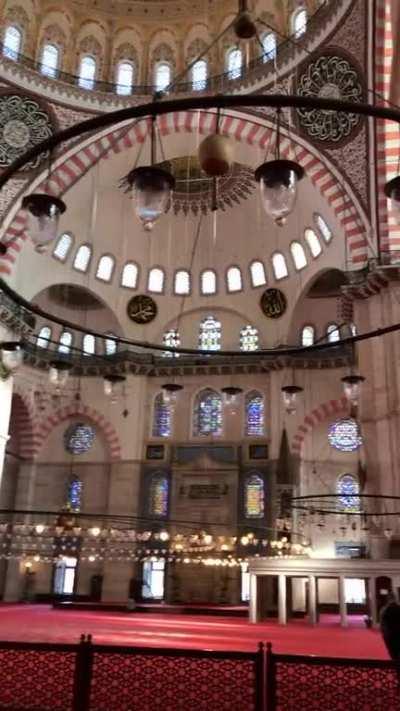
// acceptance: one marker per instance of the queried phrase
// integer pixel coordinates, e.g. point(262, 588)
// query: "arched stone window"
point(332, 333)
point(50, 59)
point(254, 414)
point(12, 42)
point(313, 242)
point(208, 282)
point(125, 78)
point(82, 258)
point(89, 344)
point(105, 267)
point(171, 339)
point(162, 76)
point(44, 337)
point(234, 279)
point(199, 75)
point(210, 334)
point(298, 255)
point(234, 62)
point(110, 346)
point(308, 335)
point(249, 338)
point(207, 415)
point(299, 22)
point(130, 274)
point(158, 495)
point(254, 496)
point(87, 72)
point(156, 280)
point(162, 417)
point(63, 246)
point(65, 342)
point(348, 488)
point(269, 46)
point(257, 274)
point(279, 266)
point(323, 227)
point(182, 282)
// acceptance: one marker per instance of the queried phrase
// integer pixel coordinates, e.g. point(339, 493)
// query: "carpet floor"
point(42, 623)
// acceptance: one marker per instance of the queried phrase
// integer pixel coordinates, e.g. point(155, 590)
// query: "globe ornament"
point(330, 77)
point(23, 124)
point(216, 155)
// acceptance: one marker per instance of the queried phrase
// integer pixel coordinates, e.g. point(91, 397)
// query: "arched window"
point(182, 282)
point(254, 496)
point(298, 255)
point(234, 279)
point(348, 488)
point(269, 46)
point(279, 265)
point(308, 336)
point(63, 246)
point(12, 42)
point(158, 495)
point(65, 342)
point(353, 329)
point(74, 498)
point(257, 274)
point(44, 337)
point(82, 258)
point(299, 22)
point(199, 75)
point(162, 76)
point(313, 242)
point(125, 78)
point(249, 338)
point(162, 417)
point(105, 267)
point(87, 72)
point(323, 227)
point(332, 333)
point(110, 346)
point(210, 334)
point(208, 282)
point(254, 404)
point(171, 339)
point(89, 344)
point(156, 280)
point(234, 61)
point(130, 275)
point(50, 60)
point(207, 414)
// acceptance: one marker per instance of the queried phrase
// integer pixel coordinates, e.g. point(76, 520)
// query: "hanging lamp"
point(289, 394)
point(352, 386)
point(58, 374)
point(231, 395)
point(244, 25)
point(42, 218)
point(170, 392)
point(152, 187)
point(392, 191)
point(111, 381)
point(12, 354)
point(278, 180)
point(216, 152)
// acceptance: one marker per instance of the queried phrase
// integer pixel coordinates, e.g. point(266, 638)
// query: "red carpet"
point(40, 623)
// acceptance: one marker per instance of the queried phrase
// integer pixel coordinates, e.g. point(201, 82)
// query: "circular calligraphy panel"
point(273, 303)
point(23, 124)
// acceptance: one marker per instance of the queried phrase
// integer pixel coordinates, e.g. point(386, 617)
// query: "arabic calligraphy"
point(142, 309)
point(273, 303)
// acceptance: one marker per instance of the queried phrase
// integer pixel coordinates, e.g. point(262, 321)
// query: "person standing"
point(390, 627)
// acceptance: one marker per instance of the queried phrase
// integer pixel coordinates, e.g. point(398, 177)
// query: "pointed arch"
point(23, 418)
point(315, 417)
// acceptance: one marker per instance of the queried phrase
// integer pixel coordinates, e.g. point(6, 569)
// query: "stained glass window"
point(158, 495)
point(75, 494)
point(125, 78)
point(12, 42)
point(249, 338)
point(79, 438)
point(199, 75)
point(43, 338)
point(171, 339)
point(257, 274)
point(63, 246)
point(254, 496)
point(162, 417)
point(49, 61)
point(345, 435)
point(208, 414)
point(210, 334)
point(348, 487)
point(254, 414)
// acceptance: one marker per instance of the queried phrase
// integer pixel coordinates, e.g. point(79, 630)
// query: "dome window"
point(12, 42)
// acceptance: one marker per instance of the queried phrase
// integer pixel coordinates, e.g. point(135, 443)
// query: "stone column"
point(373, 609)
point(312, 599)
point(253, 601)
point(282, 602)
point(342, 602)
point(6, 390)
point(116, 581)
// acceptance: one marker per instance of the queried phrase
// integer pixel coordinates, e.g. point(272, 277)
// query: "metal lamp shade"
point(42, 218)
point(152, 187)
point(278, 187)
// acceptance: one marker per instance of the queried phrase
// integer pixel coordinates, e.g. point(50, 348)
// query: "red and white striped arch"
point(319, 414)
point(257, 133)
point(23, 419)
point(46, 426)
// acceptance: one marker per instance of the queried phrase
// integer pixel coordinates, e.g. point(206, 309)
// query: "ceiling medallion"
point(194, 189)
point(273, 303)
point(141, 309)
point(330, 77)
point(23, 124)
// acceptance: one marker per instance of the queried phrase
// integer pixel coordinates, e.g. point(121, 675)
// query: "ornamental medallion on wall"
point(24, 123)
point(330, 76)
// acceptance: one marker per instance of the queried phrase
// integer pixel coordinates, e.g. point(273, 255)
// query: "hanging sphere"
point(216, 155)
point(244, 26)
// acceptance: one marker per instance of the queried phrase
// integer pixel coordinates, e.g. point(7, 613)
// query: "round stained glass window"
point(79, 438)
point(345, 435)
